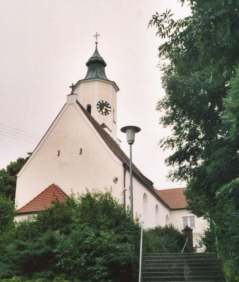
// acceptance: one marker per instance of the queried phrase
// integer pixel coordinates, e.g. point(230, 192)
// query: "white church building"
point(80, 150)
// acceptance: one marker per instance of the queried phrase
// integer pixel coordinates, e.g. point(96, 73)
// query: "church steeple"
point(96, 66)
point(97, 94)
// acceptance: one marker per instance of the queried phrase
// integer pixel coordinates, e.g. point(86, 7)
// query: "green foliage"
point(227, 226)
point(7, 213)
point(230, 115)
point(8, 177)
point(106, 238)
point(201, 57)
point(201, 79)
point(209, 239)
point(88, 238)
point(163, 240)
point(20, 279)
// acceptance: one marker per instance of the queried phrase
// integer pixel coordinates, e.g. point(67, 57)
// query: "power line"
point(19, 138)
point(19, 131)
point(19, 135)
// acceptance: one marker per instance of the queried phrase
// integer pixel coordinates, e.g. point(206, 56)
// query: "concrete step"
point(182, 267)
point(180, 256)
point(174, 263)
point(182, 279)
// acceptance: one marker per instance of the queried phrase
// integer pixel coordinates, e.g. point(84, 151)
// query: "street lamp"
point(130, 134)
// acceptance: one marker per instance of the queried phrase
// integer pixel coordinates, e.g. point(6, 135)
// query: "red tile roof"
point(44, 200)
point(174, 198)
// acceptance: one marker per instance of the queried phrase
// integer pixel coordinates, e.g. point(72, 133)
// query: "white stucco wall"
point(94, 168)
point(177, 220)
point(90, 92)
point(73, 156)
point(198, 231)
point(21, 217)
point(146, 210)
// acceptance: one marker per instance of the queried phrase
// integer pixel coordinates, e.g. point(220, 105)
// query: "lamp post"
point(130, 134)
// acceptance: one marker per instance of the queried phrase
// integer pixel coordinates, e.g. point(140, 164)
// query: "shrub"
point(163, 240)
point(88, 238)
point(7, 213)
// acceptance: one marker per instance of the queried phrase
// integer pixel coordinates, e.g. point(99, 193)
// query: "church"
point(80, 151)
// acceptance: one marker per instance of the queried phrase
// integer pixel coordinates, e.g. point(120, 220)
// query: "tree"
point(7, 213)
point(88, 238)
point(201, 56)
point(8, 177)
point(200, 79)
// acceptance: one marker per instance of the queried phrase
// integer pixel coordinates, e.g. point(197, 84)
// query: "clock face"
point(103, 107)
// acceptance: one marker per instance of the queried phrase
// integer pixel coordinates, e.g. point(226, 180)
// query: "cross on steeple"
point(72, 88)
point(96, 37)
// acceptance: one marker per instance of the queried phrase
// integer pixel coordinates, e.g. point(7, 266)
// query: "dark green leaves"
point(88, 238)
point(163, 240)
point(8, 178)
point(201, 82)
point(7, 213)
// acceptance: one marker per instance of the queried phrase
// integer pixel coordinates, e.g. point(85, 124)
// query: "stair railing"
point(184, 245)
point(141, 253)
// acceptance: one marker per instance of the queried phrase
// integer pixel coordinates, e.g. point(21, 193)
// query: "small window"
point(189, 221)
point(88, 108)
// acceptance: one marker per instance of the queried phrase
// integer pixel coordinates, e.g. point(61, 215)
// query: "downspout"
point(124, 190)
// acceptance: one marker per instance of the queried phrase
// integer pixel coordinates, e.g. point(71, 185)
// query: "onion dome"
point(96, 66)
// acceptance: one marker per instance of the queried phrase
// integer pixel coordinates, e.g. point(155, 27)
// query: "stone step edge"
point(184, 280)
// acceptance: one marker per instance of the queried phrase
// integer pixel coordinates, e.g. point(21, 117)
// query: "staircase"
point(198, 267)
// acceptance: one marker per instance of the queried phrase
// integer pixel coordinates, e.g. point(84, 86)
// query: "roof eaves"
point(177, 209)
point(25, 213)
point(99, 79)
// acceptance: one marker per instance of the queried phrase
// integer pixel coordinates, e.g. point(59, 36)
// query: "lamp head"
point(130, 131)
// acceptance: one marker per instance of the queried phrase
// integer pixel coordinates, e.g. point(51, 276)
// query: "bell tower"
point(98, 94)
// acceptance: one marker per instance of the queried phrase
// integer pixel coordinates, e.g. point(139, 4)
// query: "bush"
point(163, 240)
point(7, 213)
point(89, 238)
point(209, 240)
point(223, 236)
point(20, 279)
point(105, 236)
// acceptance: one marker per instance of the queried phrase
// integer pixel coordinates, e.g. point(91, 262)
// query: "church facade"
point(81, 151)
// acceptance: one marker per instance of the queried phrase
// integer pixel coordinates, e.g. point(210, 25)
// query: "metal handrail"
point(184, 245)
point(141, 253)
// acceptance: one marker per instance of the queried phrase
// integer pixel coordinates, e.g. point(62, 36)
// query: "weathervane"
point(96, 37)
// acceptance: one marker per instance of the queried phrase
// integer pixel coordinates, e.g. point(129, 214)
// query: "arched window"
point(156, 215)
point(167, 220)
point(145, 210)
point(88, 108)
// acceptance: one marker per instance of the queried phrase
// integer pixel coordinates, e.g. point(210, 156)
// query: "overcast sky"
point(44, 47)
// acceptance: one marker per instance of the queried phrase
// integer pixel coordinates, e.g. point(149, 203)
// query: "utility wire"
point(18, 131)
point(18, 134)
point(19, 138)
